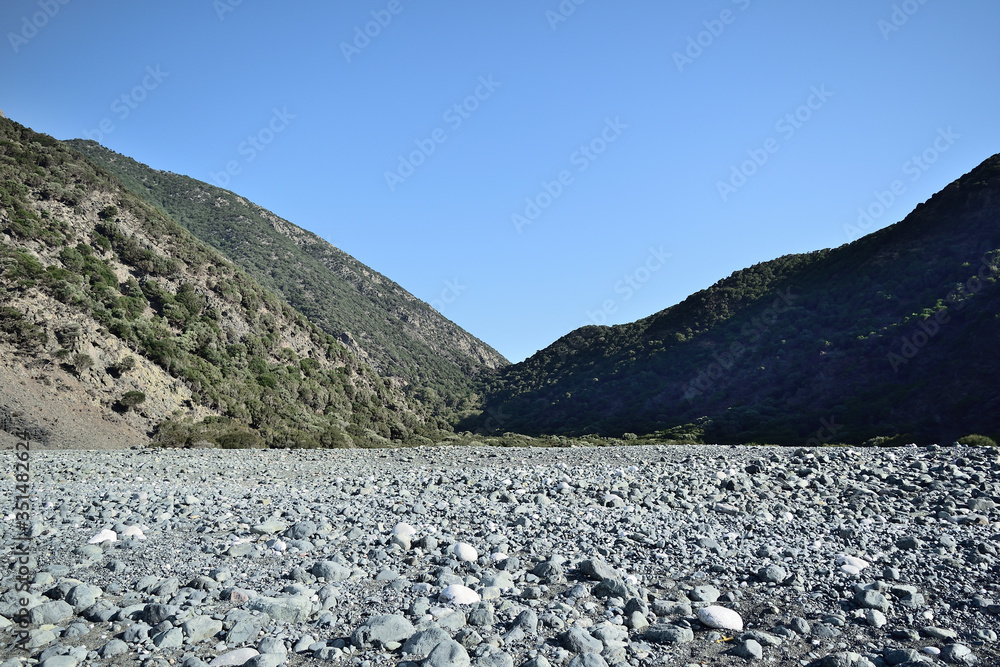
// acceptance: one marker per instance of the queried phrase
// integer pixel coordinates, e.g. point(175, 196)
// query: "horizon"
point(556, 135)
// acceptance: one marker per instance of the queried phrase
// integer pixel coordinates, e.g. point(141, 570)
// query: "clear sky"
point(664, 144)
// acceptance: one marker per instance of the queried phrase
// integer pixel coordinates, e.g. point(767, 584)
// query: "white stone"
point(133, 531)
point(233, 658)
point(715, 616)
point(851, 564)
point(404, 530)
point(875, 618)
point(465, 552)
point(106, 535)
point(459, 594)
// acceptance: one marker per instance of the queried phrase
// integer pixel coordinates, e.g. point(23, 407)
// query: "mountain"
point(115, 322)
point(895, 334)
point(399, 335)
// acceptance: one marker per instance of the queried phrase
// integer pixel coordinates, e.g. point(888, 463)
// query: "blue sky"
point(549, 164)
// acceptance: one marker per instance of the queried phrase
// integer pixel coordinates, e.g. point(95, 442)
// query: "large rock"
point(598, 570)
point(201, 628)
point(465, 552)
point(82, 596)
point(154, 614)
point(234, 658)
point(459, 594)
point(381, 631)
point(423, 642)
point(293, 609)
point(721, 618)
point(331, 571)
point(870, 599)
point(50, 613)
point(579, 640)
point(665, 633)
point(448, 654)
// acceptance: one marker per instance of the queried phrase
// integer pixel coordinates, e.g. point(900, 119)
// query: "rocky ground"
point(448, 556)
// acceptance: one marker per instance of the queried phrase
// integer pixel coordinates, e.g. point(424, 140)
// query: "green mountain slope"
point(895, 333)
point(107, 300)
point(399, 335)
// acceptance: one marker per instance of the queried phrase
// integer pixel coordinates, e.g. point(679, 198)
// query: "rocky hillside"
point(108, 305)
point(894, 334)
point(399, 335)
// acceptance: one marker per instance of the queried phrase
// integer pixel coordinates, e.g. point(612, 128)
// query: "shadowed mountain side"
point(895, 333)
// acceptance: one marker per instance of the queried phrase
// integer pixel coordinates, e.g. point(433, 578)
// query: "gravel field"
point(460, 557)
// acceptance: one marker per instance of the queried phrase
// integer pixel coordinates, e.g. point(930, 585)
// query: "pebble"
point(448, 654)
point(465, 552)
point(603, 556)
point(721, 618)
point(382, 630)
point(106, 535)
point(748, 649)
point(233, 658)
point(459, 594)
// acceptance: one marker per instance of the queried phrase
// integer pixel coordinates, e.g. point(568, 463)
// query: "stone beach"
point(480, 557)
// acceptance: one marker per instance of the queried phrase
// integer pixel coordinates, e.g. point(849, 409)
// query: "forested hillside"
point(399, 335)
point(896, 333)
point(102, 291)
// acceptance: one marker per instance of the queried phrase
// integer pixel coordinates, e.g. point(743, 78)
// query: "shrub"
point(239, 439)
point(974, 440)
point(171, 434)
point(81, 362)
point(126, 364)
point(133, 398)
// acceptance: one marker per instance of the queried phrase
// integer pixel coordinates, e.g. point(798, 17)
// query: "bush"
point(22, 332)
point(977, 441)
point(133, 398)
point(123, 366)
point(81, 362)
point(238, 439)
point(171, 434)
